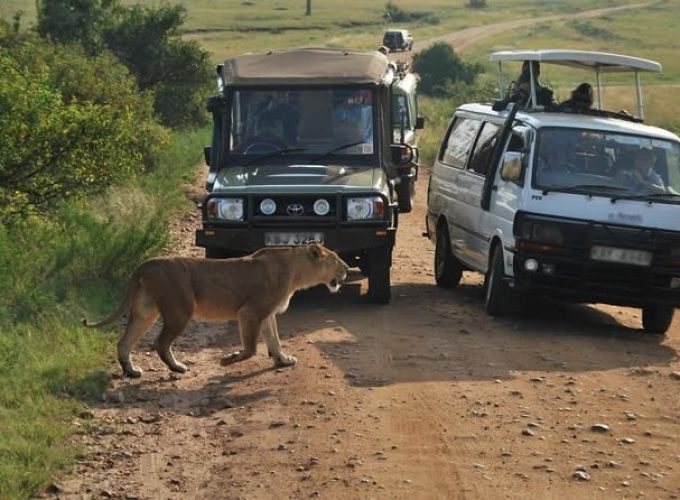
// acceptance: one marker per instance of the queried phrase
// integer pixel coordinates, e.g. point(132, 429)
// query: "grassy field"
point(231, 27)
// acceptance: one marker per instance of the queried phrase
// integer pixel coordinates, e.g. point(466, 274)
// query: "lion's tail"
point(122, 308)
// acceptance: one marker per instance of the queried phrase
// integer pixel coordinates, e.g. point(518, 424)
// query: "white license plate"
point(621, 255)
point(272, 239)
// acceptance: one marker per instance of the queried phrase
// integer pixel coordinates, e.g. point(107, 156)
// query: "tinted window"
point(484, 148)
point(459, 142)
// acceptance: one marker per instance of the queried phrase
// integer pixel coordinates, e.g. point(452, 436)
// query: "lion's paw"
point(179, 367)
point(230, 358)
point(285, 360)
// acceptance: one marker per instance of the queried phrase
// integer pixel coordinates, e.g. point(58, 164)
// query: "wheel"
point(447, 269)
point(657, 318)
point(380, 262)
point(406, 191)
point(497, 296)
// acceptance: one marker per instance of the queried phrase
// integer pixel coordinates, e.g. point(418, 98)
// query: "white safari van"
point(577, 205)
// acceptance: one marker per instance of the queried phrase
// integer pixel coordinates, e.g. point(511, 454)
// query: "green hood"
point(316, 177)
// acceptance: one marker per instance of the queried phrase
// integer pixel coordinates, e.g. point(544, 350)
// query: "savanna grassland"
point(60, 268)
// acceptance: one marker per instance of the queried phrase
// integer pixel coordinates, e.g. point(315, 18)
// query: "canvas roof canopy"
point(306, 66)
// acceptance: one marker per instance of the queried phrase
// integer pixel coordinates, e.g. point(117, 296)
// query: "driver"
point(641, 176)
point(267, 137)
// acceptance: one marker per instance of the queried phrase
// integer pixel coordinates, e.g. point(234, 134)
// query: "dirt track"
point(424, 398)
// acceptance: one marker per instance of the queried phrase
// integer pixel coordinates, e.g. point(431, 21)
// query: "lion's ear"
point(314, 249)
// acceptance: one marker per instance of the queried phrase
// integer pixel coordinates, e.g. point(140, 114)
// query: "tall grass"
point(52, 271)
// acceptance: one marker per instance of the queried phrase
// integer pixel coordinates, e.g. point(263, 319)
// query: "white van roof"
point(572, 120)
point(605, 62)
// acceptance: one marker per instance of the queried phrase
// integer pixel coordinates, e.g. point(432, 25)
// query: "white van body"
point(553, 210)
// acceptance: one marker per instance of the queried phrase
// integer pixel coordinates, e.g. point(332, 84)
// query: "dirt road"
point(424, 398)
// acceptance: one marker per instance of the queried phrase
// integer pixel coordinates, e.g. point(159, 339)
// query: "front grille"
point(296, 206)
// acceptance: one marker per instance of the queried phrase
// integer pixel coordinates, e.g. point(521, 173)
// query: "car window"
point(486, 141)
point(459, 142)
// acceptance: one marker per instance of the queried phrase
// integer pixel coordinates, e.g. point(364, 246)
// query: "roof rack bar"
point(638, 93)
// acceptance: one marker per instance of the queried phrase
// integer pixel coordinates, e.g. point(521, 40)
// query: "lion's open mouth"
point(333, 285)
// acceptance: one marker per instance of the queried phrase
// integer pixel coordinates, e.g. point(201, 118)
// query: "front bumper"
point(346, 240)
point(568, 272)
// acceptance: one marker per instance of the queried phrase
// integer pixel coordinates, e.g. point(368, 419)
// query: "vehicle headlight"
point(230, 209)
point(540, 232)
point(267, 206)
point(321, 206)
point(370, 207)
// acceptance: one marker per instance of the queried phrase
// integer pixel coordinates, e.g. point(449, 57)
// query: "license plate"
point(621, 255)
point(273, 239)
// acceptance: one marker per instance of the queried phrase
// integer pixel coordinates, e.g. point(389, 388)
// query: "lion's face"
point(332, 268)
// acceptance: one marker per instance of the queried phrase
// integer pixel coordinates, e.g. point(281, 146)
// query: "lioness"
point(252, 289)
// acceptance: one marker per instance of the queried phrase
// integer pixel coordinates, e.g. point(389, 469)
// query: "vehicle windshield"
point(310, 123)
point(607, 164)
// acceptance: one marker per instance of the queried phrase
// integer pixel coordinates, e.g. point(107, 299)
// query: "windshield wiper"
point(582, 188)
point(650, 197)
point(272, 154)
point(336, 149)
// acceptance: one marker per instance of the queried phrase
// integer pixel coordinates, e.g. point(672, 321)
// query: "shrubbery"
point(395, 14)
point(442, 71)
point(71, 126)
point(147, 40)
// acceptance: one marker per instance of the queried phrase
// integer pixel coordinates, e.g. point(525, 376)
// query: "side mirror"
point(401, 154)
point(206, 153)
point(420, 123)
point(511, 169)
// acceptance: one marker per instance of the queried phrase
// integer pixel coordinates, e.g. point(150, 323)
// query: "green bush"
point(395, 14)
point(442, 72)
point(148, 41)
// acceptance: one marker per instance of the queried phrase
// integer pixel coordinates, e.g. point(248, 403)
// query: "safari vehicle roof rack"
point(600, 62)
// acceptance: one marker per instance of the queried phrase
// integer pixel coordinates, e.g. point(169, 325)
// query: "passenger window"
point(460, 140)
point(481, 156)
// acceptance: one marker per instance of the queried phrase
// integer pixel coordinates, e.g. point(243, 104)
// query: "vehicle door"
point(507, 188)
point(450, 183)
point(478, 223)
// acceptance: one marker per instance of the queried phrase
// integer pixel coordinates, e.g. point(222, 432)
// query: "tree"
point(70, 126)
point(440, 68)
point(82, 21)
point(147, 40)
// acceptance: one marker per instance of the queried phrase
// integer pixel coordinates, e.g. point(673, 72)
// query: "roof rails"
point(600, 62)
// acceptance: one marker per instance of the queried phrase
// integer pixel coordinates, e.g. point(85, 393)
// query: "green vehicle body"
point(312, 144)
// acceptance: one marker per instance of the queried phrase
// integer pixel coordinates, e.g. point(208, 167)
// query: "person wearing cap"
point(641, 176)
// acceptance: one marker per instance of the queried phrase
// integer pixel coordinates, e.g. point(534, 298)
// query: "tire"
point(406, 192)
point(498, 298)
point(447, 270)
point(657, 318)
point(379, 286)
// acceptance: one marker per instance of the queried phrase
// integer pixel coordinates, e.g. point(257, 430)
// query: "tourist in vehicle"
point(520, 90)
point(581, 99)
point(353, 116)
point(641, 176)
